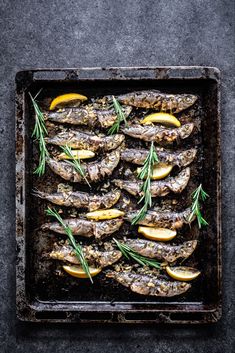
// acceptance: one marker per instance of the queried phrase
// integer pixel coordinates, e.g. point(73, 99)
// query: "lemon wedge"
point(77, 271)
point(182, 273)
point(160, 171)
point(159, 234)
point(67, 99)
point(78, 154)
point(161, 118)
point(105, 214)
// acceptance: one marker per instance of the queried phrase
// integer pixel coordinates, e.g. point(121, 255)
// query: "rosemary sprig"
point(77, 247)
point(146, 173)
point(39, 132)
point(128, 252)
point(120, 117)
point(198, 195)
point(75, 163)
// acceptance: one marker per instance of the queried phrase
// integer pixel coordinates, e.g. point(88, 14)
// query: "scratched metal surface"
point(43, 294)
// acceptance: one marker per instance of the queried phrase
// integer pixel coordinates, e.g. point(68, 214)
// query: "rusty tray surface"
point(43, 296)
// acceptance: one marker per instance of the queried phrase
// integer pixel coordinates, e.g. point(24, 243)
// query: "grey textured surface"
point(114, 33)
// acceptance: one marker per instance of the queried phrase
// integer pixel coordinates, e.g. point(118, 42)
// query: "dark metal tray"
point(41, 296)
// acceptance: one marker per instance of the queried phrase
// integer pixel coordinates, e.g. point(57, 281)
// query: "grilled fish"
point(178, 158)
point(86, 141)
point(93, 256)
point(86, 228)
point(158, 188)
point(94, 171)
point(80, 199)
point(149, 285)
point(163, 219)
point(162, 251)
point(158, 133)
point(154, 99)
point(88, 116)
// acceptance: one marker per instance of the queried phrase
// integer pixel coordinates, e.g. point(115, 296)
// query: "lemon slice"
point(77, 271)
point(67, 99)
point(105, 214)
point(160, 234)
point(160, 170)
point(78, 154)
point(161, 118)
point(182, 273)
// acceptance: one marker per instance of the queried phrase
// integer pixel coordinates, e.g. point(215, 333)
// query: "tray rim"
point(25, 310)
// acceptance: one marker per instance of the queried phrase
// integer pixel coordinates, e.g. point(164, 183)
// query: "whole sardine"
point(159, 133)
point(80, 199)
point(94, 171)
point(149, 285)
point(158, 188)
point(154, 99)
point(162, 251)
point(86, 228)
point(163, 219)
point(86, 141)
point(88, 115)
point(175, 158)
point(93, 256)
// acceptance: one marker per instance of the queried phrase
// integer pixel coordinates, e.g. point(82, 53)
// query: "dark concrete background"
point(114, 33)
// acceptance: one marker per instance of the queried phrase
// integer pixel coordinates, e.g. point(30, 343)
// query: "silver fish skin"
point(163, 219)
point(158, 188)
point(86, 141)
point(88, 116)
point(175, 158)
point(158, 133)
point(81, 199)
point(86, 228)
point(93, 256)
point(154, 99)
point(162, 251)
point(149, 285)
point(94, 171)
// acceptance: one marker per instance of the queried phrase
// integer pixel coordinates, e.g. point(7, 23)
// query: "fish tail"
point(110, 274)
point(38, 193)
point(45, 226)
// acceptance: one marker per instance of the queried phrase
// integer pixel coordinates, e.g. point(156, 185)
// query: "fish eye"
point(188, 99)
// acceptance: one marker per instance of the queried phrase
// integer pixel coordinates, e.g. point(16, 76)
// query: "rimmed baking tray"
point(41, 296)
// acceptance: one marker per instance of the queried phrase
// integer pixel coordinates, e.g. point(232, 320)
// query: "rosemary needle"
point(120, 117)
point(198, 195)
point(77, 247)
point(146, 173)
point(39, 132)
point(75, 162)
point(128, 252)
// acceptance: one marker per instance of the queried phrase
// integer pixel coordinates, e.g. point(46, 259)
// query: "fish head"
point(188, 216)
point(125, 98)
point(116, 196)
point(186, 157)
point(110, 257)
point(118, 183)
point(124, 277)
point(188, 248)
point(112, 160)
point(127, 110)
point(181, 287)
point(186, 101)
point(60, 252)
point(112, 142)
point(186, 130)
point(181, 181)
